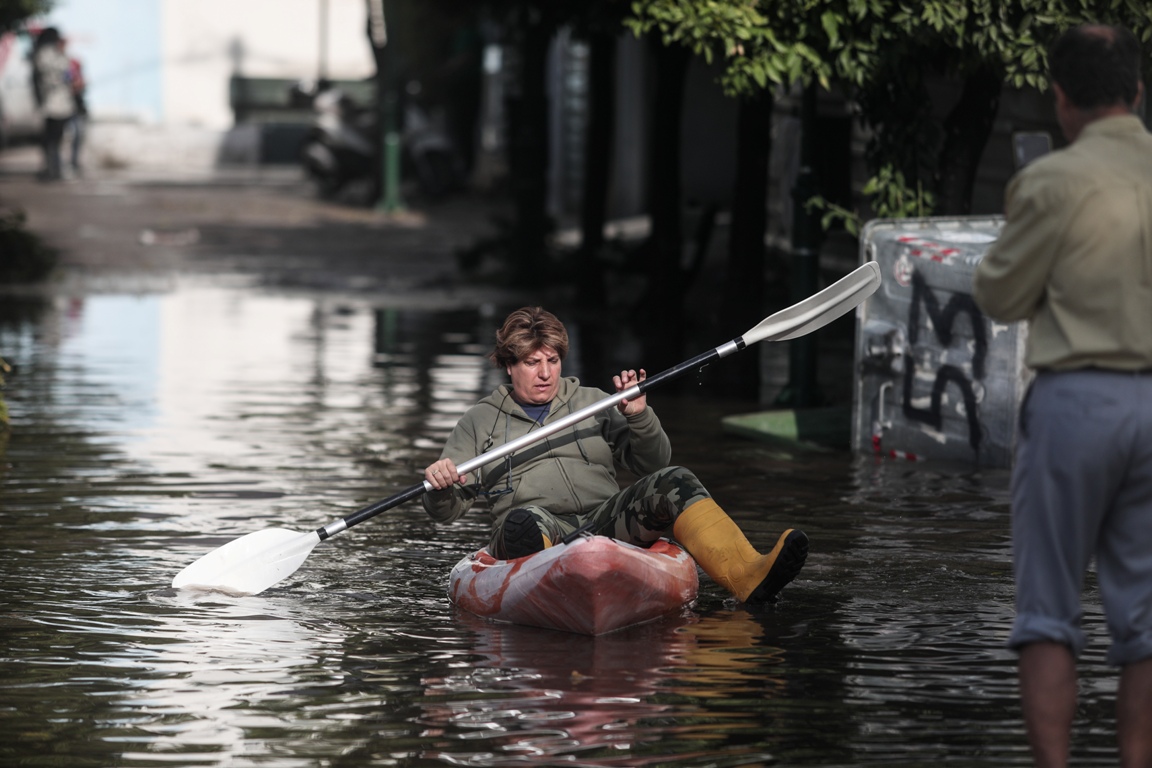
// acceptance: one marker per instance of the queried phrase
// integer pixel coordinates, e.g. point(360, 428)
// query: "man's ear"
point(1138, 102)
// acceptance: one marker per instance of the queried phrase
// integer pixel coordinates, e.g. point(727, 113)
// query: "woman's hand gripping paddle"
point(252, 563)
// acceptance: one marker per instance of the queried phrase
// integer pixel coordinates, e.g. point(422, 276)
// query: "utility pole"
point(802, 390)
point(322, 61)
point(390, 200)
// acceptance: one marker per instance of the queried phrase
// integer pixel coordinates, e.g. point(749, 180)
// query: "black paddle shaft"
point(695, 364)
point(371, 510)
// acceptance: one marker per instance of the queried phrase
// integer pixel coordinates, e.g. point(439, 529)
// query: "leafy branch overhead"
point(761, 44)
point(885, 51)
point(778, 42)
point(892, 198)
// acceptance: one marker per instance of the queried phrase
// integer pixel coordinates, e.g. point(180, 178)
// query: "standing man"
point(1075, 260)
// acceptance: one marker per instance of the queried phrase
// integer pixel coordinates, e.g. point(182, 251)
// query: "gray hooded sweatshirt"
point(567, 473)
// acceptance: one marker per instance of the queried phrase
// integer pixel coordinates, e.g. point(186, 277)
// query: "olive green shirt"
point(1075, 255)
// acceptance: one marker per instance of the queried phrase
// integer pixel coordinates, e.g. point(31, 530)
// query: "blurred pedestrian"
point(50, 73)
point(1075, 260)
point(79, 122)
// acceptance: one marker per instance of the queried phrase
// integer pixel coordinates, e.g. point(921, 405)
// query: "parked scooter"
point(431, 155)
point(342, 146)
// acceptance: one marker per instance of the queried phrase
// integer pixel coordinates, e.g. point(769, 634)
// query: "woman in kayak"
point(566, 482)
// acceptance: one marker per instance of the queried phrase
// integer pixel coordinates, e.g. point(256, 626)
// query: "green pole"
point(390, 199)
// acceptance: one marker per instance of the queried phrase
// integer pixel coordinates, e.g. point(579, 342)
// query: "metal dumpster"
point(935, 378)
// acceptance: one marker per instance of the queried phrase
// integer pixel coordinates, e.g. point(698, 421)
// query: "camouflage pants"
point(640, 514)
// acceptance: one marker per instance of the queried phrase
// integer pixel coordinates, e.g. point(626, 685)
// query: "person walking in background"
point(50, 73)
point(542, 494)
point(1075, 260)
point(79, 121)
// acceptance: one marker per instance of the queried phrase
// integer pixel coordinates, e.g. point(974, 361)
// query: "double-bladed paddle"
point(252, 563)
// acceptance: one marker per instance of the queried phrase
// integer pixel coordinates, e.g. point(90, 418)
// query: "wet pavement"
point(130, 229)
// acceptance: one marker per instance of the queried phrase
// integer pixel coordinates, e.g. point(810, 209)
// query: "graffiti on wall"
point(942, 321)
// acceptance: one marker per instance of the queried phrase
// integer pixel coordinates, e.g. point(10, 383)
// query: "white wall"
point(206, 41)
point(168, 61)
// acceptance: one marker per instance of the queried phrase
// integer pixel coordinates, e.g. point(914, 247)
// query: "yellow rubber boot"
point(721, 549)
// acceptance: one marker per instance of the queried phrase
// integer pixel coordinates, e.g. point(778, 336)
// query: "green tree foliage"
point(13, 13)
point(766, 42)
point(891, 196)
point(883, 49)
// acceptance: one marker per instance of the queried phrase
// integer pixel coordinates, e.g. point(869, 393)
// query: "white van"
point(19, 118)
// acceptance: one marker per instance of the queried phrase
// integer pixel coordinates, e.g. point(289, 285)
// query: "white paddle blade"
point(250, 564)
point(821, 308)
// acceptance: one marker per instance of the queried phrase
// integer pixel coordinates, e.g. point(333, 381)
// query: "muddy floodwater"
point(150, 429)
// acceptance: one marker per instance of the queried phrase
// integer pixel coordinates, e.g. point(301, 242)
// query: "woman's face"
point(536, 377)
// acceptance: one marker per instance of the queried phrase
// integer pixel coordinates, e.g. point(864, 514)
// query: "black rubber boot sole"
point(521, 535)
point(787, 566)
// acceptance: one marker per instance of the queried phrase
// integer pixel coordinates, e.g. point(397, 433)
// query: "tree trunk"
point(744, 292)
point(597, 166)
point(527, 108)
point(384, 81)
point(966, 132)
point(665, 295)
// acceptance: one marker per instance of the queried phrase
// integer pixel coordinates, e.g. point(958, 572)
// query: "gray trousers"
point(640, 514)
point(1082, 488)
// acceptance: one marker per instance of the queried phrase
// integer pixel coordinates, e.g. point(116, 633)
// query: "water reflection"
point(219, 671)
point(150, 429)
point(697, 686)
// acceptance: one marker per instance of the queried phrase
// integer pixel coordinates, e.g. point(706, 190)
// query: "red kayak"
point(590, 586)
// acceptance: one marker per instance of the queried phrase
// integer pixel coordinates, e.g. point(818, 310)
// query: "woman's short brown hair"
point(526, 330)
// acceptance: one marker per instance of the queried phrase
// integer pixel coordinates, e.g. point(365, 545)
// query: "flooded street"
point(151, 428)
